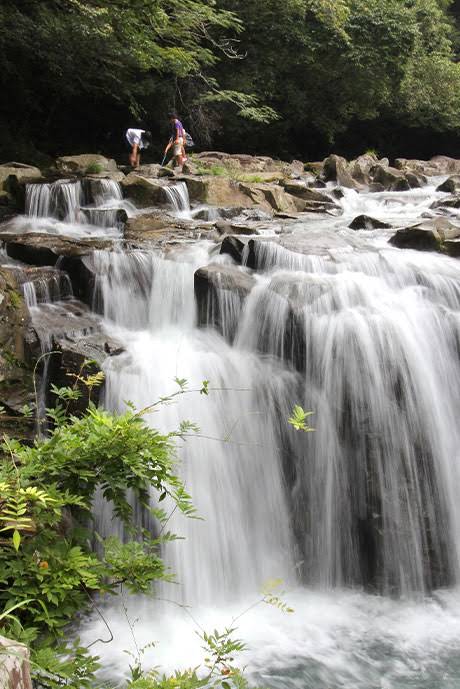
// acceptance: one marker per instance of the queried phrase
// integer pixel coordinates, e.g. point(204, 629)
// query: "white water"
point(67, 208)
point(369, 499)
point(178, 197)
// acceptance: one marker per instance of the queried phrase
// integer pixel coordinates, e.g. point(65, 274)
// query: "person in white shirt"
point(137, 139)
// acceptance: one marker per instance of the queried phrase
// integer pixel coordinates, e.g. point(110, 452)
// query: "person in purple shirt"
point(177, 140)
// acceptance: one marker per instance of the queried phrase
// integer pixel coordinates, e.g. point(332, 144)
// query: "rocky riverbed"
point(236, 202)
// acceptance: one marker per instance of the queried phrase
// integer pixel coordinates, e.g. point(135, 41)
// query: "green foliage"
point(48, 571)
point(94, 169)
point(298, 420)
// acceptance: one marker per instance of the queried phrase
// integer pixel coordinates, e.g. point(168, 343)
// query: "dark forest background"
point(288, 78)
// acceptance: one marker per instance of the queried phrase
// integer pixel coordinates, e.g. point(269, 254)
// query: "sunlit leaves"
point(298, 420)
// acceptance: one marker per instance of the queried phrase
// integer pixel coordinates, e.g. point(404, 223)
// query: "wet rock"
point(365, 222)
point(387, 176)
point(16, 387)
point(448, 202)
point(158, 228)
point(336, 169)
point(75, 336)
point(260, 255)
point(319, 184)
point(376, 188)
point(416, 180)
point(215, 191)
point(220, 291)
point(144, 191)
point(224, 277)
point(452, 248)
point(44, 249)
point(86, 163)
point(361, 167)
point(400, 185)
point(315, 167)
point(426, 236)
point(270, 196)
point(298, 188)
point(451, 185)
point(234, 247)
point(223, 226)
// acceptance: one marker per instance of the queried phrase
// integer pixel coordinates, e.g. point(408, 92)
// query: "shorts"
point(177, 148)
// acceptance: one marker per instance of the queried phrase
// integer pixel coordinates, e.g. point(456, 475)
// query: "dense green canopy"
point(280, 76)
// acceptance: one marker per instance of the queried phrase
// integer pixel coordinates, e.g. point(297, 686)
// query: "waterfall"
point(375, 503)
point(88, 207)
point(383, 507)
point(368, 338)
point(140, 289)
point(178, 197)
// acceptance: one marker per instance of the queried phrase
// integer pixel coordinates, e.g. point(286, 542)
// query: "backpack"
point(188, 140)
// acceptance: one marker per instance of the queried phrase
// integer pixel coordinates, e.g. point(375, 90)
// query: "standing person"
point(137, 139)
point(176, 140)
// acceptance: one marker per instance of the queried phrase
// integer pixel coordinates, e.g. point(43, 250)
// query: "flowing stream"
point(360, 518)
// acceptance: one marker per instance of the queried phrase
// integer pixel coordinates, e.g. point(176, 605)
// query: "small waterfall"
point(38, 200)
point(178, 197)
point(105, 191)
point(141, 289)
point(47, 289)
point(61, 199)
point(74, 208)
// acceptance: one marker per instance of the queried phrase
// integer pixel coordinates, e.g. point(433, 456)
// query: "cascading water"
point(178, 197)
point(368, 338)
point(74, 208)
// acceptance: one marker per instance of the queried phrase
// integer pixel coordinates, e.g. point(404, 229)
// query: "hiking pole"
point(163, 161)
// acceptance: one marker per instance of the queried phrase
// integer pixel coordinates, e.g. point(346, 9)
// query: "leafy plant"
point(298, 420)
point(94, 169)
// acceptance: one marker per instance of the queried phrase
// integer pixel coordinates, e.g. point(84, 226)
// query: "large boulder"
point(75, 336)
point(450, 185)
point(361, 167)
point(144, 191)
point(336, 169)
point(271, 196)
point(37, 248)
point(212, 283)
point(388, 176)
point(439, 165)
point(263, 253)
point(299, 188)
point(86, 163)
point(234, 247)
point(416, 179)
point(430, 235)
point(215, 191)
point(365, 222)
point(447, 202)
